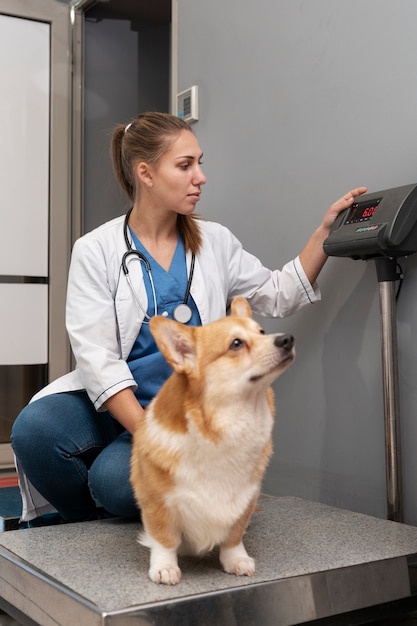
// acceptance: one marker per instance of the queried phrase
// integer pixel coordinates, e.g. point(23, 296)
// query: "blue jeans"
point(77, 458)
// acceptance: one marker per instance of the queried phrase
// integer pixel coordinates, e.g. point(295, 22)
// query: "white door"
point(35, 186)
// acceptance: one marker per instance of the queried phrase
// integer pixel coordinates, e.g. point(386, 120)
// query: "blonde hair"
point(147, 138)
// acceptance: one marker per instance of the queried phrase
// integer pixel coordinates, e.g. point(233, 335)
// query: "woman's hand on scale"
point(313, 257)
point(340, 205)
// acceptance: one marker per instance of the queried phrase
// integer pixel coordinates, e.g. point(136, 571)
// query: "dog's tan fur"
point(200, 453)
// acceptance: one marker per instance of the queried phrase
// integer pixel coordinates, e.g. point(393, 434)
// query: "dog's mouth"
point(285, 360)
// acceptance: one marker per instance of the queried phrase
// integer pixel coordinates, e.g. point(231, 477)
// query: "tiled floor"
point(10, 501)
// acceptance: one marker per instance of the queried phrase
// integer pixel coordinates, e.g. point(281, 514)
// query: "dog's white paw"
point(163, 567)
point(165, 574)
point(236, 561)
point(243, 566)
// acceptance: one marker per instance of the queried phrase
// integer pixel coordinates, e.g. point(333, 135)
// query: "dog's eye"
point(261, 330)
point(237, 344)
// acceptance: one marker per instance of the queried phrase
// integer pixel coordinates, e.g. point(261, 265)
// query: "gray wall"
point(299, 102)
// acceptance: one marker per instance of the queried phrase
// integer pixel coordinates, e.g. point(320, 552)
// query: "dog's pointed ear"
point(175, 341)
point(240, 307)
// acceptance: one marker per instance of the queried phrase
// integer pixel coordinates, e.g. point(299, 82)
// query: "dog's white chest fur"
point(214, 482)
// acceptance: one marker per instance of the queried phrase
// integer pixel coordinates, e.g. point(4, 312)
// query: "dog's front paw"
point(242, 566)
point(166, 574)
point(236, 561)
point(163, 567)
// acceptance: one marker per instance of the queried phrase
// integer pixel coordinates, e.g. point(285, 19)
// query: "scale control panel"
point(381, 224)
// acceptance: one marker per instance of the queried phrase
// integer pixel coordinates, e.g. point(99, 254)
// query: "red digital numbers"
point(368, 211)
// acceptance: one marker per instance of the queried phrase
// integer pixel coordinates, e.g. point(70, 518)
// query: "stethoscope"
point(182, 313)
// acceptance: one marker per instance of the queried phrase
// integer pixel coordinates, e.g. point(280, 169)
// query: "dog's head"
point(233, 353)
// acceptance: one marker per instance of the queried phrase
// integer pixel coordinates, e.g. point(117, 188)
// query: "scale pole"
point(387, 275)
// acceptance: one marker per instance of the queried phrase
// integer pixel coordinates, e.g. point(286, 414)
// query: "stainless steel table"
point(313, 562)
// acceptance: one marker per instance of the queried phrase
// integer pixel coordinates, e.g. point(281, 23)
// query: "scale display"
point(381, 224)
point(362, 211)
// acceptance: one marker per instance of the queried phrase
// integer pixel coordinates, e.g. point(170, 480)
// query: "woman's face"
point(177, 177)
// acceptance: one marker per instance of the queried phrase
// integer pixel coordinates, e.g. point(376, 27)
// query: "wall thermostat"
point(187, 104)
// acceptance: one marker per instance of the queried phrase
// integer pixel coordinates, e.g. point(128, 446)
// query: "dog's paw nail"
point(169, 575)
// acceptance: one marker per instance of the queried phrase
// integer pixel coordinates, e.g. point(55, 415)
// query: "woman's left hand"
point(313, 257)
point(340, 205)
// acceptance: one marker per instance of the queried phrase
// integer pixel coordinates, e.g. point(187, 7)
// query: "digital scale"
point(383, 226)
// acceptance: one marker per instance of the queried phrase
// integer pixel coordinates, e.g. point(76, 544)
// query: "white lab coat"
point(103, 318)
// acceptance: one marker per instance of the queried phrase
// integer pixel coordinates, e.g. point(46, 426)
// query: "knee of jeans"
point(114, 495)
point(24, 431)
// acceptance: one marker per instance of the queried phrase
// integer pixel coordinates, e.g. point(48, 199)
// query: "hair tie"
point(127, 127)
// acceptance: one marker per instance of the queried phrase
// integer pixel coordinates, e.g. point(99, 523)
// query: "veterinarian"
point(73, 441)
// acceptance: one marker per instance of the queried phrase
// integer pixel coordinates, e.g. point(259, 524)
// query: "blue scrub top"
point(148, 366)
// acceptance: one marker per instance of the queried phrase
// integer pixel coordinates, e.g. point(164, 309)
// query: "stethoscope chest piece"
point(182, 313)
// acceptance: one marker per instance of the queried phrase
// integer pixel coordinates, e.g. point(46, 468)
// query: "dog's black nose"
point(284, 341)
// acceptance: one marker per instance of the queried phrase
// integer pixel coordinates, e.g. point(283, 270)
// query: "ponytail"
point(121, 165)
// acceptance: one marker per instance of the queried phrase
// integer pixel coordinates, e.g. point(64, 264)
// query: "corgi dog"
point(200, 453)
